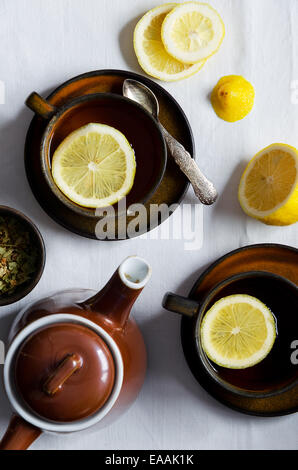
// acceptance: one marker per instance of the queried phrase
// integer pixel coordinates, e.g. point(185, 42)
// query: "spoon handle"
point(203, 188)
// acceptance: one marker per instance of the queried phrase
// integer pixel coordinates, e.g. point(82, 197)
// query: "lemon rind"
point(222, 112)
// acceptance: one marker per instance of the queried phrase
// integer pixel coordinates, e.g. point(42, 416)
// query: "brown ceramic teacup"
point(139, 127)
point(276, 373)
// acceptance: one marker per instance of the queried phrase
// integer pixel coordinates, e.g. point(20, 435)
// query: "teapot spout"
point(134, 272)
point(116, 299)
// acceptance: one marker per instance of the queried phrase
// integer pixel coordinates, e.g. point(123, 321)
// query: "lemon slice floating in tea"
point(94, 166)
point(238, 332)
point(192, 32)
point(268, 189)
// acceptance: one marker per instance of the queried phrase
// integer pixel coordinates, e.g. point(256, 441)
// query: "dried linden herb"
point(18, 255)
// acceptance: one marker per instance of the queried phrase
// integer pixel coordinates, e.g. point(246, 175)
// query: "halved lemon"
point(192, 32)
point(150, 51)
point(238, 332)
point(268, 189)
point(233, 98)
point(94, 166)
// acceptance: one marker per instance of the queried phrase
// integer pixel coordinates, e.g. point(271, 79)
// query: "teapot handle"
point(19, 435)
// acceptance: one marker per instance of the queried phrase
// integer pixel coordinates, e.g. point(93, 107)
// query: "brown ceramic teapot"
point(75, 359)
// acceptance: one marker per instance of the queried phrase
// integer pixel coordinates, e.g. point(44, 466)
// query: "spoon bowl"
point(140, 93)
point(203, 188)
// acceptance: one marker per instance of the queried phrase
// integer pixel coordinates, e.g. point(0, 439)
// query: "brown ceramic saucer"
point(274, 258)
point(174, 184)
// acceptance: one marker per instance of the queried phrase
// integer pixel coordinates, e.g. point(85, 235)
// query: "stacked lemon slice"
point(173, 42)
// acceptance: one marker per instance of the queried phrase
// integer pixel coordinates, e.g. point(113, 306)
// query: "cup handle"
point(40, 106)
point(19, 435)
point(178, 304)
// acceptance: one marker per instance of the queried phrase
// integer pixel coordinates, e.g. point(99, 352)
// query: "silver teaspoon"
point(203, 188)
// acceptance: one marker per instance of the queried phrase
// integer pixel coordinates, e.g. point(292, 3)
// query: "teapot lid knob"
point(65, 372)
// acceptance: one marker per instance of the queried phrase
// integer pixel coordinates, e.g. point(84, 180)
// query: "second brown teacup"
point(276, 373)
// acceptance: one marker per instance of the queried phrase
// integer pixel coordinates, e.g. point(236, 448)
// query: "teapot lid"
point(65, 372)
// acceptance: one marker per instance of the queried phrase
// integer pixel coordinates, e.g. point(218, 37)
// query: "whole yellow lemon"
point(233, 98)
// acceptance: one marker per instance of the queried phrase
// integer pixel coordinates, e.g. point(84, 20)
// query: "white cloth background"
point(44, 43)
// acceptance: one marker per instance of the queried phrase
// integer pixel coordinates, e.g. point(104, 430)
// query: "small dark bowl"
point(24, 289)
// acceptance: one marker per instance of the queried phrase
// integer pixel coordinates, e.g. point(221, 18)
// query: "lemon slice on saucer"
point(238, 332)
point(268, 189)
point(192, 32)
point(94, 166)
point(151, 53)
